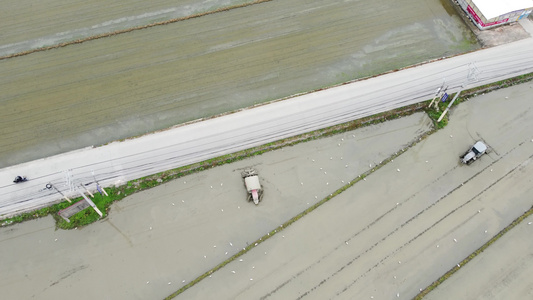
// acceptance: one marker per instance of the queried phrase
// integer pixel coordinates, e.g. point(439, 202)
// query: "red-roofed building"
point(489, 13)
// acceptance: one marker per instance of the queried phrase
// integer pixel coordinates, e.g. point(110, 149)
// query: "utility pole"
point(473, 71)
point(437, 94)
point(91, 203)
point(98, 186)
point(449, 105)
point(49, 186)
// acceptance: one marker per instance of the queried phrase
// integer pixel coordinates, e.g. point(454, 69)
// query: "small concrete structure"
point(73, 209)
point(490, 13)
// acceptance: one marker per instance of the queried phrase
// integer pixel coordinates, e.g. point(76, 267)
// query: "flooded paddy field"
point(145, 80)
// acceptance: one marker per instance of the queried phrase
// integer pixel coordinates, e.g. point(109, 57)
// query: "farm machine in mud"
point(474, 153)
point(253, 187)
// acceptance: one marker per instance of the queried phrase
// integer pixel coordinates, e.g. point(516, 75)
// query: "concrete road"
point(130, 84)
point(161, 235)
point(408, 223)
point(119, 162)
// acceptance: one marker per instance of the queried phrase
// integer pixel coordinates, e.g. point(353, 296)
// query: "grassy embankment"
point(89, 216)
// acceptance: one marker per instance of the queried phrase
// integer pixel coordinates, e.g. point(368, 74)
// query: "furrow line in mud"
point(117, 32)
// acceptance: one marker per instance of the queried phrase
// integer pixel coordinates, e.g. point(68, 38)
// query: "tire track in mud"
point(438, 221)
point(398, 228)
point(518, 167)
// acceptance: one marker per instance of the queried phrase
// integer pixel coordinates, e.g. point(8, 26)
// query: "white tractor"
point(474, 153)
point(253, 187)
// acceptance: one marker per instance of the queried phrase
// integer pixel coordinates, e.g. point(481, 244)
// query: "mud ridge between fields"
point(398, 228)
point(109, 34)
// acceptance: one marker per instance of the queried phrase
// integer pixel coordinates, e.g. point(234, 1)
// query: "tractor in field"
point(474, 153)
point(252, 185)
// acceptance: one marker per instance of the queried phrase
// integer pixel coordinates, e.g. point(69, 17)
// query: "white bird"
point(226, 253)
point(231, 244)
point(211, 186)
point(346, 242)
point(313, 160)
point(150, 227)
point(55, 240)
point(327, 183)
point(330, 158)
point(316, 197)
point(169, 282)
point(184, 280)
point(147, 282)
point(426, 161)
point(185, 182)
point(437, 246)
point(346, 166)
point(240, 259)
point(458, 265)
point(455, 240)
point(364, 179)
point(251, 279)
point(397, 295)
point(222, 209)
point(399, 262)
point(451, 135)
point(221, 184)
point(233, 272)
point(398, 170)
point(301, 183)
point(214, 246)
point(173, 204)
point(205, 256)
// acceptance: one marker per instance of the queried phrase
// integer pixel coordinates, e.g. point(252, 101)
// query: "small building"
point(489, 13)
